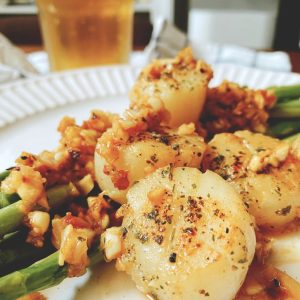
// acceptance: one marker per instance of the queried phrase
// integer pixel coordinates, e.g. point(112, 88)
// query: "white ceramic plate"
point(29, 114)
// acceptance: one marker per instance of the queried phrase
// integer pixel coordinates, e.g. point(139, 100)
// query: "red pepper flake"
point(76, 222)
point(120, 179)
point(26, 179)
point(155, 72)
point(138, 127)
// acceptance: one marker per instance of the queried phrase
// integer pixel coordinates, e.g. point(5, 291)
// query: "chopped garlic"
point(111, 243)
point(39, 221)
point(186, 129)
point(86, 184)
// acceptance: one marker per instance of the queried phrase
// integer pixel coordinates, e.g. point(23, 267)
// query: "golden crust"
point(180, 84)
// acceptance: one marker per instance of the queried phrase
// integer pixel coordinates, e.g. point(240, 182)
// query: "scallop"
point(142, 155)
point(186, 235)
point(181, 83)
point(263, 170)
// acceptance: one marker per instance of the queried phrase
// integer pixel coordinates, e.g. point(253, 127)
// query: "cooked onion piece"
point(186, 235)
point(263, 170)
point(142, 155)
point(181, 84)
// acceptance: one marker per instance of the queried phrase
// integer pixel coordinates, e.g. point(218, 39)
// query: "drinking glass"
point(80, 33)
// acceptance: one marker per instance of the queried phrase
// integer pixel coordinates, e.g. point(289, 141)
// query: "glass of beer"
point(81, 33)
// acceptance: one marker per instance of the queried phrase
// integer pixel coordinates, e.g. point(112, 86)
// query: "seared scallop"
point(264, 171)
point(180, 83)
point(186, 235)
point(143, 154)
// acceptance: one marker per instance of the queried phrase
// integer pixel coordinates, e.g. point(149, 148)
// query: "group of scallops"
point(190, 209)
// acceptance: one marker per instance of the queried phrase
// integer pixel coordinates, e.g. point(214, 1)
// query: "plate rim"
point(26, 97)
point(73, 72)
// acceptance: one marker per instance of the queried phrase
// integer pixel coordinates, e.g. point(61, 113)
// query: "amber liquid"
point(80, 33)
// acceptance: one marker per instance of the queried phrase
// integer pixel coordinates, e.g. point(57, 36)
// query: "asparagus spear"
point(15, 253)
point(284, 128)
point(286, 92)
point(4, 174)
point(7, 199)
point(289, 109)
point(11, 216)
point(41, 275)
point(57, 195)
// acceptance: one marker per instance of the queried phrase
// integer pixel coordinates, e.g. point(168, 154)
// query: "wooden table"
point(294, 56)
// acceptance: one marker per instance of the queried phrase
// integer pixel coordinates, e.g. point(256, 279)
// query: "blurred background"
point(229, 29)
point(262, 24)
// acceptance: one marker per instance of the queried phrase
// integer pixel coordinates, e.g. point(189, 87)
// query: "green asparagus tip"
point(41, 275)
